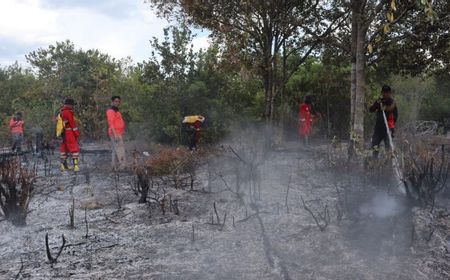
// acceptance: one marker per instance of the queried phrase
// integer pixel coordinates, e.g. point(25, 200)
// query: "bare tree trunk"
point(358, 78)
point(351, 148)
point(268, 87)
point(275, 83)
point(268, 77)
point(284, 110)
point(358, 122)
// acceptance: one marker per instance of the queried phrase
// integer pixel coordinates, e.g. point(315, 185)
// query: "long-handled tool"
point(395, 163)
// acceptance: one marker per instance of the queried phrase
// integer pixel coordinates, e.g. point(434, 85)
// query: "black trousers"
point(380, 134)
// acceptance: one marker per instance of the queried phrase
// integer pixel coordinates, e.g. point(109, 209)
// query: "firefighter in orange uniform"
point(305, 119)
point(69, 145)
point(193, 125)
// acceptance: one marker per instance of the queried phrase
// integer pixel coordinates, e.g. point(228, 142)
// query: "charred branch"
point(119, 198)
point(217, 214)
point(20, 269)
point(425, 175)
point(224, 220)
point(72, 214)
point(51, 259)
point(321, 220)
point(86, 223)
point(287, 195)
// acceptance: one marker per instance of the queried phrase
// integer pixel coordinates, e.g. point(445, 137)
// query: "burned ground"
point(223, 230)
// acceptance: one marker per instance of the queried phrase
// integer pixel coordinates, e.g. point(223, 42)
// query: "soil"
point(263, 232)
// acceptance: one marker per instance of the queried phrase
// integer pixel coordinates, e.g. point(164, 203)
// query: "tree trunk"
point(268, 87)
point(360, 67)
point(358, 78)
point(352, 143)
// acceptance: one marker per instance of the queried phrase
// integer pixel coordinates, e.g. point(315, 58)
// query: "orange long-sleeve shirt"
point(16, 126)
point(115, 122)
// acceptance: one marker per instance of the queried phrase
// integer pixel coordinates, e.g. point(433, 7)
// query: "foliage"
point(436, 103)
point(323, 80)
point(262, 55)
point(14, 83)
point(180, 82)
point(88, 77)
point(261, 35)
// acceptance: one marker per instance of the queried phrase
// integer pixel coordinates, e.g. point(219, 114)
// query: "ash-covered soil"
point(263, 232)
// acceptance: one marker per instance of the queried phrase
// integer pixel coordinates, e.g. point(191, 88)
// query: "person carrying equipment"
point(70, 134)
point(193, 124)
point(387, 106)
point(305, 119)
point(16, 125)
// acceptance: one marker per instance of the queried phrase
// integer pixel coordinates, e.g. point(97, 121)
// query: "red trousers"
point(70, 144)
point(304, 128)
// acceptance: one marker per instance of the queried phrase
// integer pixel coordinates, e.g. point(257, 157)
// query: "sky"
point(120, 28)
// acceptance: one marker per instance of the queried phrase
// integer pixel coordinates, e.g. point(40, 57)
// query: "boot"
point(64, 166)
point(75, 165)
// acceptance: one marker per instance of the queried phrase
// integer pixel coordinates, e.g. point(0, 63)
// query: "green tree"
point(14, 82)
point(261, 34)
point(86, 76)
point(370, 21)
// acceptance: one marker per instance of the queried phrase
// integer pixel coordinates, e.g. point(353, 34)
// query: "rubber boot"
point(75, 165)
point(64, 166)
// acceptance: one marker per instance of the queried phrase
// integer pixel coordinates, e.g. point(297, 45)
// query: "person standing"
point(387, 106)
point(69, 145)
point(116, 130)
point(193, 126)
point(16, 127)
point(305, 119)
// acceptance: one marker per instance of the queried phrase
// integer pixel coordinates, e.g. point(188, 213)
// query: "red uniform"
point(305, 120)
point(198, 131)
point(71, 133)
point(195, 123)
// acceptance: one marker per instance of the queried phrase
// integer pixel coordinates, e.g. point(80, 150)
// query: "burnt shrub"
point(16, 188)
point(167, 167)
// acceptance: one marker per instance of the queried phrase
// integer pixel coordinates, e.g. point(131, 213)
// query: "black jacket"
point(390, 107)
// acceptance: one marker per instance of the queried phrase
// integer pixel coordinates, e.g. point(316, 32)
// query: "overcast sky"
point(119, 28)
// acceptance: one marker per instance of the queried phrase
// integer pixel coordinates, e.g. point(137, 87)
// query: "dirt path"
point(264, 235)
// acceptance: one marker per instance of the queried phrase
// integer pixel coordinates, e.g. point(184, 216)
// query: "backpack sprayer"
point(395, 163)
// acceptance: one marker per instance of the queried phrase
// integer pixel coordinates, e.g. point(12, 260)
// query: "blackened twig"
point(224, 220)
point(217, 214)
point(287, 195)
point(325, 218)
point(21, 269)
point(86, 222)
point(49, 254)
point(72, 214)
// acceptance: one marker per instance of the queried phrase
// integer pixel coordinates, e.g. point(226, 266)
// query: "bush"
point(169, 161)
point(16, 187)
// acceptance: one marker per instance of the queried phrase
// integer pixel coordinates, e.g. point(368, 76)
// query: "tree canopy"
point(264, 57)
